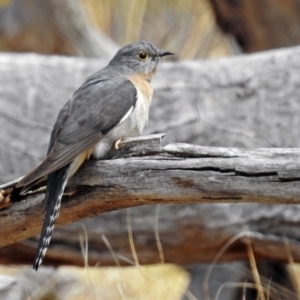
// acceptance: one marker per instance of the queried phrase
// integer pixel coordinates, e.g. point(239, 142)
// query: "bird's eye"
point(143, 55)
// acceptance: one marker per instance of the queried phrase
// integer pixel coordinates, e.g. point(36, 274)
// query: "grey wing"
point(96, 107)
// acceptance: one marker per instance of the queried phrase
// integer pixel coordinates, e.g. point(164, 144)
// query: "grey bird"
point(111, 104)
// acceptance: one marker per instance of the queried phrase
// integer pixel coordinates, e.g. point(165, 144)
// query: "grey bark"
point(142, 173)
point(246, 101)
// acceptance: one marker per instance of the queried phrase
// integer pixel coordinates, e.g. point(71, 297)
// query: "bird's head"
point(140, 58)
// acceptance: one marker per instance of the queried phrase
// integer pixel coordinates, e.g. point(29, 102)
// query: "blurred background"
point(188, 26)
point(194, 30)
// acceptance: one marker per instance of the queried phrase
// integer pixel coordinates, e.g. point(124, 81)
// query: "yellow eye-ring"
point(143, 55)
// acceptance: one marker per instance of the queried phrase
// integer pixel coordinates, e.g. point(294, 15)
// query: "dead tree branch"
point(144, 173)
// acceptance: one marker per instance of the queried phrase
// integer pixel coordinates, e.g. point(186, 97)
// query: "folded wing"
point(97, 106)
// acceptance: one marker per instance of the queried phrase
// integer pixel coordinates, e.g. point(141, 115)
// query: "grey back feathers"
point(91, 113)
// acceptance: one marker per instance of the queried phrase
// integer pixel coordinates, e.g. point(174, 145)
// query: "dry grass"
point(187, 26)
point(163, 281)
point(266, 290)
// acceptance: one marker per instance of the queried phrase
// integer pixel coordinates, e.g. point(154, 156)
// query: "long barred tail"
point(55, 187)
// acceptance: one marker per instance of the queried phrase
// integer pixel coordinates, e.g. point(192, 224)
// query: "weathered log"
point(143, 173)
point(245, 101)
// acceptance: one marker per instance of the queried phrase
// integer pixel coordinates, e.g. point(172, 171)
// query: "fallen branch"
point(144, 173)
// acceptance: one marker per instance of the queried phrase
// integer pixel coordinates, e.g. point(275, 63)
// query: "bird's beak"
point(161, 54)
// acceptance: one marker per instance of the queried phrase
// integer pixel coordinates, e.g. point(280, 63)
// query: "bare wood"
point(177, 173)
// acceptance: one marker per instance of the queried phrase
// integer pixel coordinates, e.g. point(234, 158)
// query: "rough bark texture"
point(246, 101)
point(25, 23)
point(260, 24)
point(178, 173)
